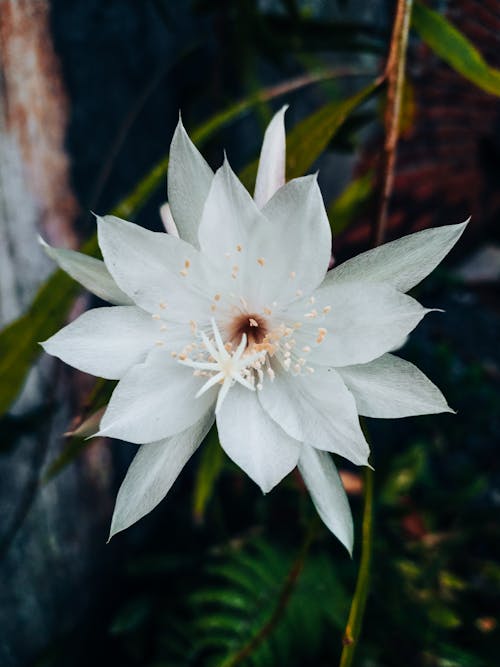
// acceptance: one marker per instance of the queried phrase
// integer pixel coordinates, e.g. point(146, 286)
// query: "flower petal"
point(402, 263)
point(318, 410)
point(253, 440)
point(189, 180)
point(272, 162)
point(158, 271)
point(155, 400)
point(168, 221)
point(390, 387)
point(105, 341)
point(229, 217)
point(152, 473)
point(299, 236)
point(327, 493)
point(353, 323)
point(89, 272)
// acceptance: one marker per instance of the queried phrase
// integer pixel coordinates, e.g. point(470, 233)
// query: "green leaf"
point(208, 472)
point(454, 48)
point(350, 202)
point(309, 138)
point(19, 341)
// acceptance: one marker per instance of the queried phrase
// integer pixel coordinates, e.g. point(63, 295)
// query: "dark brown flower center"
point(251, 324)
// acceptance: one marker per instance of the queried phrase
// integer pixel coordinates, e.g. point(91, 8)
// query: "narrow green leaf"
point(350, 202)
point(309, 138)
point(207, 474)
point(454, 48)
point(19, 346)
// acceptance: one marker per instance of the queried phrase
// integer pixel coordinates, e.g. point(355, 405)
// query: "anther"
point(261, 261)
point(321, 335)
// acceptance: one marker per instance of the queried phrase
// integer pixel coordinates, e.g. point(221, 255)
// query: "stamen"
point(321, 335)
point(261, 261)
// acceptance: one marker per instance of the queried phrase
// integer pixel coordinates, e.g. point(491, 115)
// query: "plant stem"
point(355, 620)
point(395, 75)
point(284, 597)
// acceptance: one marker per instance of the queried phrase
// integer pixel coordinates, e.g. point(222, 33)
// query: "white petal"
point(316, 409)
point(327, 492)
point(168, 220)
point(229, 217)
point(272, 162)
point(155, 400)
point(298, 239)
point(189, 179)
point(89, 272)
point(253, 440)
point(156, 268)
point(363, 321)
point(152, 473)
point(105, 341)
point(391, 387)
point(402, 263)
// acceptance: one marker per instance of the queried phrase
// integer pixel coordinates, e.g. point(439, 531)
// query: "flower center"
point(251, 325)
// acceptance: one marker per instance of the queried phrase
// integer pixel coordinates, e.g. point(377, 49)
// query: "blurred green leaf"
point(19, 341)
point(444, 617)
point(208, 471)
point(454, 48)
point(309, 138)
point(407, 468)
point(350, 202)
point(131, 616)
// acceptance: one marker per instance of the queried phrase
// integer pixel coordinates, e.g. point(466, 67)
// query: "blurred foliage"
point(454, 48)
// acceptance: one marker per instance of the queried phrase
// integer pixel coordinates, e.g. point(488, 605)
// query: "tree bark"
point(46, 531)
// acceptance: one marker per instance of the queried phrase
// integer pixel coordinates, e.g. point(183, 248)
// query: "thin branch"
point(281, 605)
point(395, 75)
point(355, 620)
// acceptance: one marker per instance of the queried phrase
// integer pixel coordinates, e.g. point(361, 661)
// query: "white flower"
point(239, 320)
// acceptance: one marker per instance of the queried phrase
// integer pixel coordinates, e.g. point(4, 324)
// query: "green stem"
point(395, 76)
point(355, 620)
